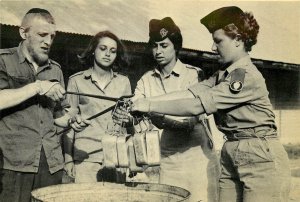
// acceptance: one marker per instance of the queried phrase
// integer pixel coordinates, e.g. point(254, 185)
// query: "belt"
point(256, 132)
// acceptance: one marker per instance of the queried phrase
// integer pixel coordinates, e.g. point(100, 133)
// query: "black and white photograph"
point(149, 101)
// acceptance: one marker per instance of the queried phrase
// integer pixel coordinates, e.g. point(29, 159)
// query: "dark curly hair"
point(246, 29)
point(87, 56)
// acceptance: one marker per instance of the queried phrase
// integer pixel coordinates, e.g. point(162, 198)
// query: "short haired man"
point(31, 88)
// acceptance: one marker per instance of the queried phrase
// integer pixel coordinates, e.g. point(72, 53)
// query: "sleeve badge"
point(236, 86)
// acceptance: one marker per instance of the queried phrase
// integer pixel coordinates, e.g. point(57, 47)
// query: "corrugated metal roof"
point(129, 20)
point(81, 17)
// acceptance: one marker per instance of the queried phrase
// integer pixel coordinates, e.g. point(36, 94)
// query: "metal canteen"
point(133, 167)
point(123, 160)
point(139, 143)
point(153, 147)
point(110, 151)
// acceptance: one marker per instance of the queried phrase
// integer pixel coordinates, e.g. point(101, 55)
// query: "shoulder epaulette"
point(55, 63)
point(121, 73)
point(193, 67)
point(76, 74)
point(6, 51)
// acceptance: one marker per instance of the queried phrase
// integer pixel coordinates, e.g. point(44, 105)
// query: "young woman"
point(188, 157)
point(103, 57)
point(254, 164)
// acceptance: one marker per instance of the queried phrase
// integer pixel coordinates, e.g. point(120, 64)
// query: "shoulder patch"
point(237, 80)
point(76, 74)
point(55, 63)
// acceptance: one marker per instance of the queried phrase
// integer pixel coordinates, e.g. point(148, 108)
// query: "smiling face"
point(105, 52)
point(164, 52)
point(225, 46)
point(38, 38)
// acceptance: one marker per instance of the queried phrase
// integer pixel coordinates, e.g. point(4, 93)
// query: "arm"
point(182, 107)
point(13, 97)
point(172, 96)
point(71, 116)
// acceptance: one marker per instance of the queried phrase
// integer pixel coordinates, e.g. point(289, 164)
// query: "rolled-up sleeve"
point(221, 97)
point(127, 90)
point(139, 91)
point(73, 100)
point(3, 76)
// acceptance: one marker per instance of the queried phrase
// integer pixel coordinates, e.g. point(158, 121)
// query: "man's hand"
point(50, 89)
point(78, 123)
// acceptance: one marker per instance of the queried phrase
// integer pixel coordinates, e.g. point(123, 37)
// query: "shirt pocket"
point(18, 81)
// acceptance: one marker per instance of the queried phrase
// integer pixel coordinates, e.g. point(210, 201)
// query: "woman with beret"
point(254, 164)
point(188, 157)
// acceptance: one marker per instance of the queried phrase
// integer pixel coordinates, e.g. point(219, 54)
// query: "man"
point(31, 88)
point(188, 159)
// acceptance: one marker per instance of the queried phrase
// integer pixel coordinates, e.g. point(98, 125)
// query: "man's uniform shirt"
point(29, 126)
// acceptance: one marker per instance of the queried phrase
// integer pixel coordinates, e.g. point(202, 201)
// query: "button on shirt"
point(27, 127)
point(234, 112)
point(88, 146)
point(153, 83)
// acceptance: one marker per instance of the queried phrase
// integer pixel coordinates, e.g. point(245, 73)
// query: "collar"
point(20, 53)
point(176, 69)
point(89, 74)
point(242, 62)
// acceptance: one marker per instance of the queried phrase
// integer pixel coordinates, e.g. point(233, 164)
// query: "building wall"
point(282, 82)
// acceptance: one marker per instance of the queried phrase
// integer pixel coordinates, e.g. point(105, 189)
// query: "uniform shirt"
point(153, 83)
point(88, 146)
point(235, 112)
point(27, 127)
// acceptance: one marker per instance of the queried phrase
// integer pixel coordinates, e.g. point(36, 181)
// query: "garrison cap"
point(161, 29)
point(221, 17)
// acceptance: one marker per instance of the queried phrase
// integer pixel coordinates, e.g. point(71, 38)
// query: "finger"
point(62, 90)
point(78, 118)
point(76, 126)
point(87, 122)
point(59, 94)
point(117, 121)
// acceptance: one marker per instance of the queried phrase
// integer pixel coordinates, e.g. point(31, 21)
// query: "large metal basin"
point(104, 192)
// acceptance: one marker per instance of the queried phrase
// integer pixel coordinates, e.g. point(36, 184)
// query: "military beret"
point(221, 17)
point(161, 29)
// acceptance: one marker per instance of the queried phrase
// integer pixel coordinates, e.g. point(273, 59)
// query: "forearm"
point(182, 107)
point(13, 97)
point(173, 96)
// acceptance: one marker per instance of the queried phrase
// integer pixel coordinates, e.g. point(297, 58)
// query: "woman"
point(254, 164)
point(188, 159)
point(103, 56)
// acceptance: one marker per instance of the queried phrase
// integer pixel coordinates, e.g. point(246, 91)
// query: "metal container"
point(104, 192)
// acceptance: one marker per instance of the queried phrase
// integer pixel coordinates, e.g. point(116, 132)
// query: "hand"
point(121, 115)
point(52, 90)
point(69, 167)
point(78, 123)
point(141, 105)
